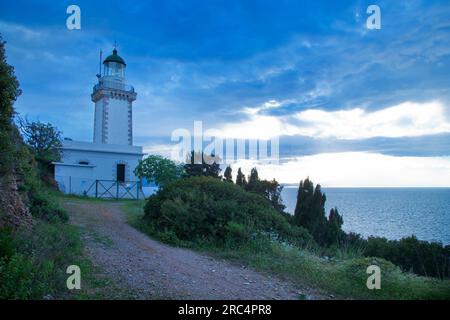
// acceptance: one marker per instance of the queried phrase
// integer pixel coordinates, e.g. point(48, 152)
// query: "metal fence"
point(106, 189)
point(115, 189)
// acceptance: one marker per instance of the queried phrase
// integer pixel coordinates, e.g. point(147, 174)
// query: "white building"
point(104, 168)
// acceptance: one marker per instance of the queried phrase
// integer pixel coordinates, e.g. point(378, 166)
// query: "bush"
point(22, 278)
point(6, 243)
point(45, 208)
point(413, 255)
point(237, 233)
point(33, 261)
point(200, 209)
point(170, 237)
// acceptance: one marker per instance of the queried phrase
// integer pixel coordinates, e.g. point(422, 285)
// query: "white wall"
point(76, 179)
point(113, 120)
point(119, 127)
point(98, 121)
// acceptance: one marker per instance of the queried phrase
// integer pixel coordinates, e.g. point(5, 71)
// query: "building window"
point(120, 173)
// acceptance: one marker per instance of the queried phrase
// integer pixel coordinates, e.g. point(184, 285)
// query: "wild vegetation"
point(36, 243)
point(198, 209)
point(43, 140)
point(245, 221)
point(410, 254)
point(206, 209)
point(158, 170)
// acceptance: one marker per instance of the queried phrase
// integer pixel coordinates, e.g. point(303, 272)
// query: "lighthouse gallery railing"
point(108, 84)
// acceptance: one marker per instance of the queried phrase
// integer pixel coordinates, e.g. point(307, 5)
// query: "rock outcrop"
point(13, 211)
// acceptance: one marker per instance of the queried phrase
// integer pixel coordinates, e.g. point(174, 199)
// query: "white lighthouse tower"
point(113, 104)
point(105, 167)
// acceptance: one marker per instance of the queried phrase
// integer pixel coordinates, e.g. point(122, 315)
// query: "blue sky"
point(352, 106)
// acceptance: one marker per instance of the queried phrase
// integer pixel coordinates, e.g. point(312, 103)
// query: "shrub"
point(413, 255)
point(170, 237)
point(6, 243)
point(208, 209)
point(43, 207)
point(237, 232)
point(33, 261)
point(22, 278)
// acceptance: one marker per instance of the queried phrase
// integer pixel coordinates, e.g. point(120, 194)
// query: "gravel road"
point(152, 270)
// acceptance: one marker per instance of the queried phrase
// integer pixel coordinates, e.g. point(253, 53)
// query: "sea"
point(388, 212)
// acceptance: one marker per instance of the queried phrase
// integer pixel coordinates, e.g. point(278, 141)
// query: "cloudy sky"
point(351, 106)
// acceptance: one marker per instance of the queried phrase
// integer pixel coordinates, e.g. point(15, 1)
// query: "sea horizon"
point(420, 211)
point(288, 185)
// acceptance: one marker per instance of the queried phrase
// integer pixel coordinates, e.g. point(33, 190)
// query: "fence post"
point(137, 187)
point(96, 188)
point(117, 189)
point(70, 184)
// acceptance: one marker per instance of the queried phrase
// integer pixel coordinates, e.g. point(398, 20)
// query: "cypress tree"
point(310, 209)
point(253, 181)
point(334, 232)
point(240, 179)
point(228, 174)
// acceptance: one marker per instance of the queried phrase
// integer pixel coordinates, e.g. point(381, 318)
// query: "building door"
point(121, 173)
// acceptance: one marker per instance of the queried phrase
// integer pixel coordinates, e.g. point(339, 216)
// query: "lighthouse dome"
point(114, 57)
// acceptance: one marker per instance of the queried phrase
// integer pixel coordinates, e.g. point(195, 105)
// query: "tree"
point(9, 91)
point(199, 164)
point(18, 175)
point(240, 179)
point(335, 217)
point(228, 175)
point(160, 170)
point(271, 190)
point(253, 181)
point(310, 208)
point(334, 233)
point(43, 139)
point(310, 214)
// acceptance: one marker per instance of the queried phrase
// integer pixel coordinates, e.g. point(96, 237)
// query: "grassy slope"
point(345, 278)
point(41, 255)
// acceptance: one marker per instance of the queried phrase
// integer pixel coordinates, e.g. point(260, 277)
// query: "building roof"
point(114, 57)
point(100, 147)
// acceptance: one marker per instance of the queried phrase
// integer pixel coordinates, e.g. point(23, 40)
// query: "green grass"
point(65, 197)
point(345, 278)
point(35, 266)
point(34, 260)
point(134, 211)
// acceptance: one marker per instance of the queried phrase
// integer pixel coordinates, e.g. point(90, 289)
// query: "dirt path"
point(152, 270)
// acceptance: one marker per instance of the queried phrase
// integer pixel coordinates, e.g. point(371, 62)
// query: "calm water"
point(389, 212)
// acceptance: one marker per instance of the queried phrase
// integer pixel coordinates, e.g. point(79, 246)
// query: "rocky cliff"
point(13, 211)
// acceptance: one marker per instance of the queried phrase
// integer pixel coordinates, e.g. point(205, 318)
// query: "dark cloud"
point(423, 146)
point(207, 60)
